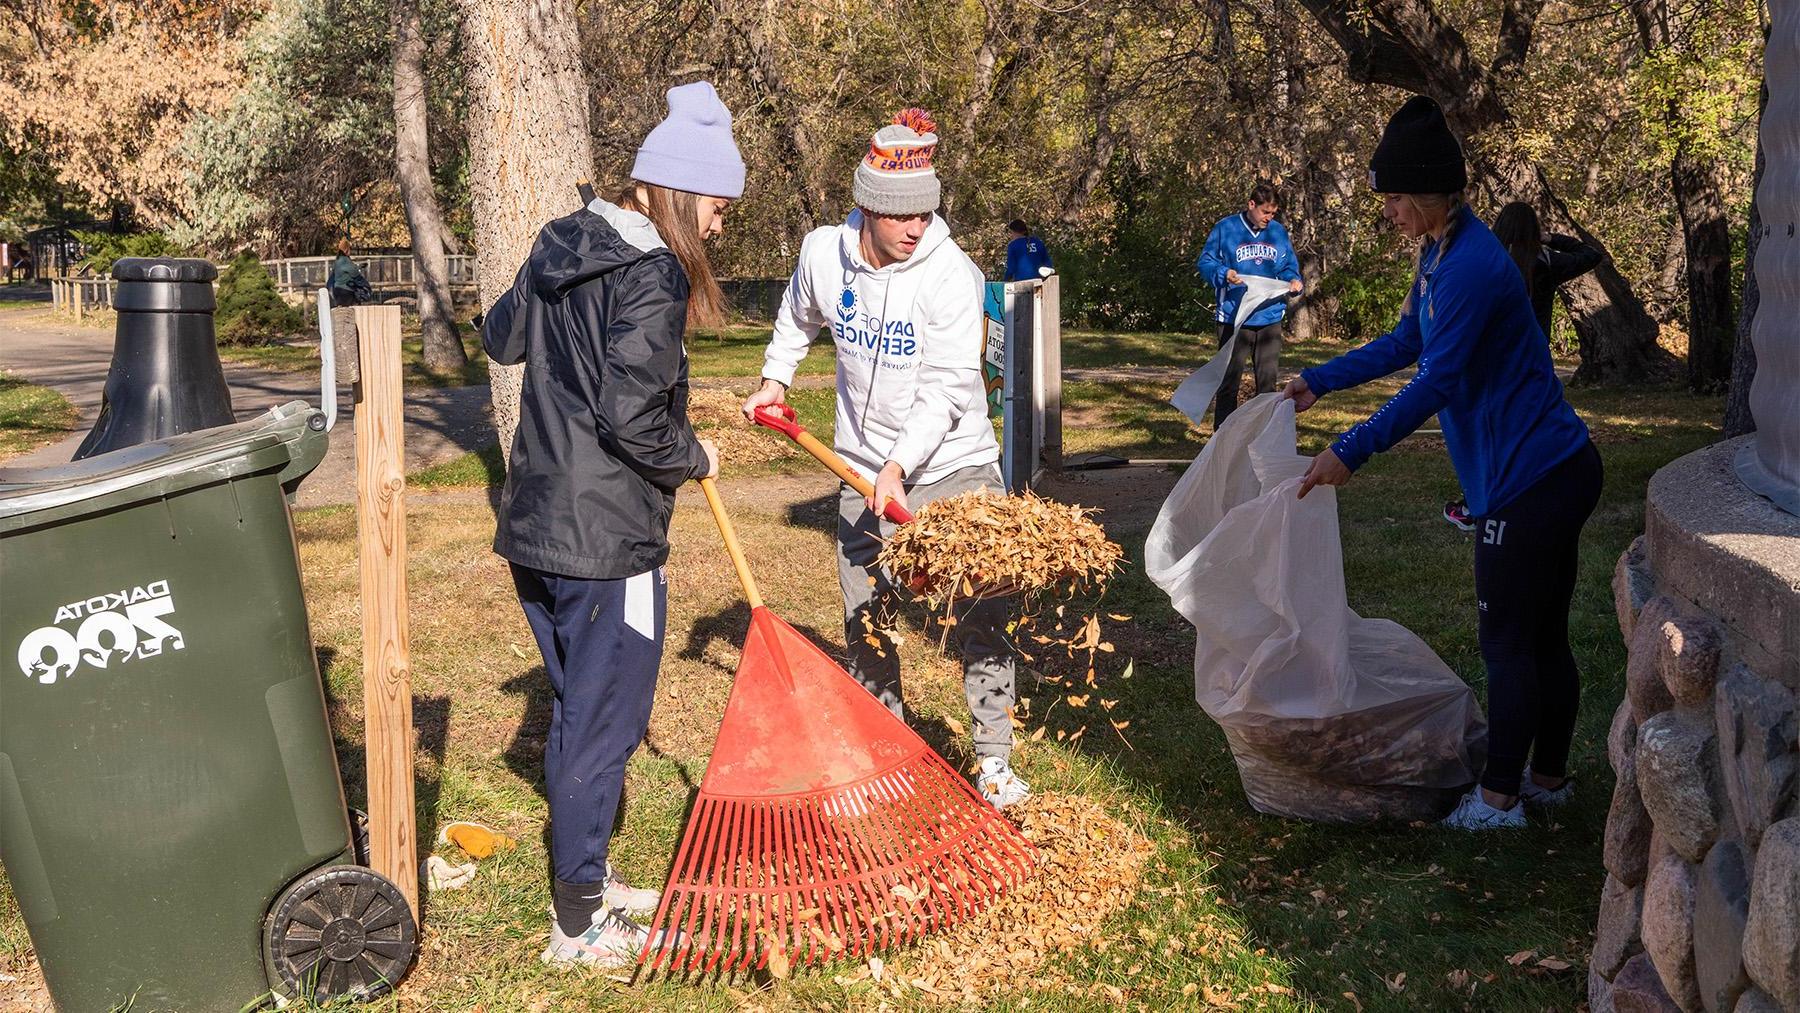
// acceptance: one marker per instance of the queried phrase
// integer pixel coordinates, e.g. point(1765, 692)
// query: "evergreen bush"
point(251, 310)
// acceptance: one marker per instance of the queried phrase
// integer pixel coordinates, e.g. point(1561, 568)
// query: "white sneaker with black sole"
point(999, 785)
point(1474, 813)
point(1537, 794)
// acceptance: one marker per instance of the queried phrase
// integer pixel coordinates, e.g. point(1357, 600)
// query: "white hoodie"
point(909, 340)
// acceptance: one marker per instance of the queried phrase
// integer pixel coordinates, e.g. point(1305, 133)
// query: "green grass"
point(737, 350)
point(302, 356)
point(1233, 901)
point(31, 416)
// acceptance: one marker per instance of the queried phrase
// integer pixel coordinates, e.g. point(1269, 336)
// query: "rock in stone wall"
point(1772, 931)
point(1678, 775)
point(1759, 754)
point(1721, 907)
point(1701, 907)
point(1668, 929)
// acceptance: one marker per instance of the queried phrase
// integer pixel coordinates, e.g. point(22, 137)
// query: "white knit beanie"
point(896, 177)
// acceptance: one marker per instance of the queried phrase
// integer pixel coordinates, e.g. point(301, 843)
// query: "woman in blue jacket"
point(1531, 475)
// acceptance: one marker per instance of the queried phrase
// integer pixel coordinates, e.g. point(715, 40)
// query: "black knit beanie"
point(1418, 153)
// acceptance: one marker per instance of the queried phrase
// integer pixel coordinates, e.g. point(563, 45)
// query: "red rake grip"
point(783, 419)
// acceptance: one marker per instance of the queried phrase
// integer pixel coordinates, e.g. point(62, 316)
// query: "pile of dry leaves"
point(717, 415)
point(1089, 867)
point(978, 544)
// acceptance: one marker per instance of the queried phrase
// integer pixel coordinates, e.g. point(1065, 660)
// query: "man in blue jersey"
point(1246, 243)
point(1026, 256)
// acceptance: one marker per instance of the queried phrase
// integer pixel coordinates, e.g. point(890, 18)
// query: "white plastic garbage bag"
point(1198, 390)
point(1330, 716)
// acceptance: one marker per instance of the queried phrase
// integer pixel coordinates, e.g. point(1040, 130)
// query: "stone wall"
point(1701, 907)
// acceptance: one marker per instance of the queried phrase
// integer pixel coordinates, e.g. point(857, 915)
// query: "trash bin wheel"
point(342, 931)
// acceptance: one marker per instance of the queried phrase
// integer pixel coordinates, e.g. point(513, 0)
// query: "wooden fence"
point(299, 278)
point(81, 295)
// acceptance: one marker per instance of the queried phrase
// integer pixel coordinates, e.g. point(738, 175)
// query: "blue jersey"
point(1024, 256)
point(1484, 370)
point(1235, 246)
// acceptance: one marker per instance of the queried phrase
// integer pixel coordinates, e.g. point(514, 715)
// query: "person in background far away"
point(1249, 242)
point(1547, 261)
point(1532, 475)
point(348, 285)
point(1026, 256)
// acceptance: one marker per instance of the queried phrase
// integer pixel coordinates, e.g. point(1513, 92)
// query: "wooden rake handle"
point(783, 419)
point(732, 547)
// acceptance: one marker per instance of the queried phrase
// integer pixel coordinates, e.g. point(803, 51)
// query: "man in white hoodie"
point(903, 303)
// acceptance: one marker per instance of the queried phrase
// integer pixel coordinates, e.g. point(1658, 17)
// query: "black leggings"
point(1525, 555)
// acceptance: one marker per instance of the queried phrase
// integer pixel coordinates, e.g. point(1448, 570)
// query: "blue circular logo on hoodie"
point(849, 298)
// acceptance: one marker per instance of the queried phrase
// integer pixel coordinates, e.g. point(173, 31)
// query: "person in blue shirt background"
point(1026, 256)
point(1249, 242)
point(1530, 473)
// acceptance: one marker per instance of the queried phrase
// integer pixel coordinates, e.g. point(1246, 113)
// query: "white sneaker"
point(612, 943)
point(1473, 813)
point(636, 902)
point(1537, 794)
point(999, 785)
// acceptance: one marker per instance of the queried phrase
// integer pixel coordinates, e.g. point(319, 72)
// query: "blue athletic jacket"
point(1024, 256)
point(1482, 364)
point(1232, 246)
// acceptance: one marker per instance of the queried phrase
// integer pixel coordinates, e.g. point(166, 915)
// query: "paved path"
point(441, 423)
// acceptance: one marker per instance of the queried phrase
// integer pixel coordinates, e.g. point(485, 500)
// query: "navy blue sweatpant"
point(602, 644)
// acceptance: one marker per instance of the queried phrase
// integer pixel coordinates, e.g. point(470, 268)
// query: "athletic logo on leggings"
point(1493, 532)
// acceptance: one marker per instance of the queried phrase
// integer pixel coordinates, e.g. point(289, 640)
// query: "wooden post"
point(1048, 360)
point(381, 539)
point(76, 287)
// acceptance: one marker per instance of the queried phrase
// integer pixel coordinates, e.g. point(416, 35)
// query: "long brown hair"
point(676, 213)
point(1517, 228)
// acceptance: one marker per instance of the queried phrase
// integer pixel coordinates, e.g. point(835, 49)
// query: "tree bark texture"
point(1407, 44)
point(1712, 327)
point(443, 348)
point(528, 146)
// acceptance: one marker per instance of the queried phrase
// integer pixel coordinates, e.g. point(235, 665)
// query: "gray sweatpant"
point(870, 596)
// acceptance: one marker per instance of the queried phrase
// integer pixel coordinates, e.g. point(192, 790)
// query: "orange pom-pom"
point(918, 119)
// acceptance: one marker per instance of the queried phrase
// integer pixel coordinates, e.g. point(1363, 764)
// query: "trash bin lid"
point(33, 497)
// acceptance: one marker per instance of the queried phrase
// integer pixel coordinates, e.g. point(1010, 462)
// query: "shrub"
point(1366, 290)
point(105, 247)
point(251, 311)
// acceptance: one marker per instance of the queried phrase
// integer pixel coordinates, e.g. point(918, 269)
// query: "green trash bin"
point(172, 820)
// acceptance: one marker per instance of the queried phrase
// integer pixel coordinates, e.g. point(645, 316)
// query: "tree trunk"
point(1293, 102)
point(1408, 44)
point(528, 145)
point(1706, 235)
point(443, 348)
point(763, 68)
point(1106, 141)
point(1711, 323)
